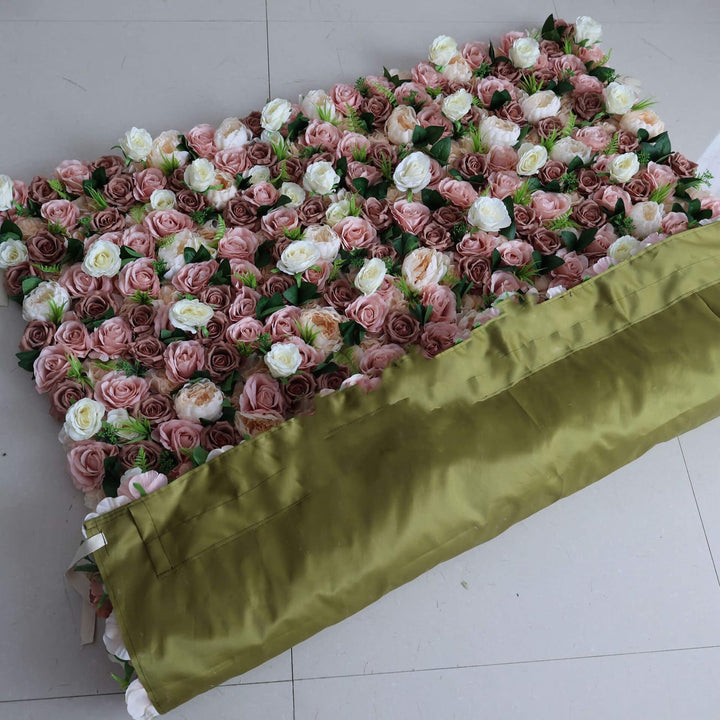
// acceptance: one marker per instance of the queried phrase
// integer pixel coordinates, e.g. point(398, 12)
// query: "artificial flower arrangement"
point(195, 290)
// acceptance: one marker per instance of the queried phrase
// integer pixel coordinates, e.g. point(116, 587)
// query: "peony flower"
point(623, 248)
point(84, 419)
point(623, 167)
point(647, 218)
point(316, 102)
point(619, 98)
point(12, 252)
point(7, 192)
point(587, 30)
point(370, 276)
point(567, 149)
point(413, 172)
point(400, 125)
point(189, 315)
point(457, 105)
point(37, 303)
point(325, 321)
point(232, 133)
point(201, 400)
point(524, 52)
point(298, 256)
point(326, 240)
point(489, 214)
point(138, 703)
point(199, 175)
point(530, 158)
point(135, 483)
point(283, 359)
point(136, 143)
point(495, 130)
point(540, 105)
point(275, 114)
point(320, 177)
point(646, 119)
point(424, 266)
point(442, 49)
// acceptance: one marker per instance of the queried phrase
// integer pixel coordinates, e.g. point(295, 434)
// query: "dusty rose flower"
point(504, 183)
point(443, 302)
point(448, 216)
point(139, 275)
point(551, 170)
point(64, 394)
point(471, 165)
point(193, 277)
point(139, 239)
point(183, 359)
point(217, 296)
point(217, 435)
point(526, 221)
point(40, 191)
point(660, 174)
point(188, 201)
point(119, 192)
point(222, 359)
point(50, 367)
point(401, 328)
point(110, 339)
point(61, 212)
point(377, 358)
point(515, 252)
point(501, 158)
point(608, 195)
point(588, 214)
point(312, 210)
point(156, 408)
point(546, 126)
point(410, 216)
point(548, 206)
point(681, 166)
point(546, 241)
point(72, 173)
point(148, 351)
point(369, 311)
point(146, 182)
point(74, 336)
point(238, 244)
point(244, 330)
point(460, 193)
point(627, 141)
point(176, 435)
point(277, 221)
point(477, 269)
point(674, 222)
point(86, 462)
point(117, 390)
point(302, 385)
point(140, 317)
point(588, 104)
point(46, 248)
point(162, 223)
point(261, 395)
point(201, 139)
point(438, 336)
point(108, 220)
point(639, 188)
point(502, 282)
point(244, 304)
point(380, 107)
point(129, 454)
point(478, 243)
point(283, 324)
point(261, 194)
point(588, 181)
point(38, 334)
point(572, 271)
point(261, 153)
point(356, 232)
point(378, 213)
point(435, 236)
point(488, 86)
point(339, 294)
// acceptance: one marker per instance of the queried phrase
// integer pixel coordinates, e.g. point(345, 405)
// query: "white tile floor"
point(605, 605)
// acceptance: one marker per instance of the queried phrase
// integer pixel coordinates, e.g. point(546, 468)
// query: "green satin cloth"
point(293, 531)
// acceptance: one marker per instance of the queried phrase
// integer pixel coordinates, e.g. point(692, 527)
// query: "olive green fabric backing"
point(293, 531)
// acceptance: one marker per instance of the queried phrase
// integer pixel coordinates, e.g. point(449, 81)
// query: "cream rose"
point(371, 276)
point(136, 143)
point(199, 175)
point(567, 148)
point(531, 158)
point(189, 315)
point(645, 119)
point(442, 49)
point(102, 259)
point(540, 105)
point(647, 218)
point(320, 177)
point(489, 214)
point(84, 419)
point(495, 130)
point(201, 400)
point(294, 192)
point(400, 125)
point(457, 105)
point(524, 52)
point(623, 167)
point(298, 256)
point(223, 191)
point(257, 174)
point(12, 252)
point(7, 192)
point(275, 114)
point(326, 240)
point(424, 266)
point(120, 419)
point(587, 30)
point(283, 359)
point(413, 172)
point(138, 702)
point(623, 248)
point(162, 200)
point(555, 291)
point(36, 305)
point(232, 133)
point(172, 253)
point(619, 98)
point(337, 210)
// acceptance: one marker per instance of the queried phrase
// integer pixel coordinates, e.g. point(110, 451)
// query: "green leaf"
point(268, 305)
point(461, 289)
point(27, 358)
point(297, 126)
point(202, 254)
point(499, 98)
point(169, 336)
point(433, 199)
point(265, 209)
point(603, 73)
point(426, 135)
point(222, 276)
point(352, 332)
point(657, 149)
point(198, 456)
point(29, 284)
point(394, 79)
point(405, 244)
point(325, 367)
point(185, 147)
point(510, 230)
point(111, 479)
point(549, 31)
point(301, 294)
point(546, 263)
point(263, 255)
point(9, 231)
point(341, 167)
point(441, 150)
point(75, 250)
point(128, 255)
point(495, 260)
point(94, 322)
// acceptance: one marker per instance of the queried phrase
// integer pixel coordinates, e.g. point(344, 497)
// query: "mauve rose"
point(65, 394)
point(660, 174)
point(217, 296)
point(674, 222)
point(504, 183)
point(139, 275)
point(86, 462)
point(412, 93)
point(216, 327)
point(245, 330)
point(604, 238)
point(546, 126)
point(639, 188)
point(350, 143)
point(588, 181)
point(119, 192)
point(50, 367)
point(95, 304)
point(548, 206)
point(488, 86)
point(596, 138)
point(401, 327)
point(72, 173)
point(146, 182)
point(322, 134)
point(129, 454)
point(681, 166)
point(479, 244)
point(438, 336)
point(339, 294)
point(545, 241)
point(218, 435)
point(253, 122)
point(356, 169)
point(333, 380)
point(201, 139)
point(515, 252)
point(526, 221)
point(139, 239)
point(183, 359)
point(712, 204)
point(188, 201)
point(448, 215)
point(261, 395)
point(277, 221)
point(378, 213)
point(46, 248)
point(233, 160)
point(513, 111)
point(38, 334)
point(572, 271)
point(312, 210)
point(381, 152)
point(61, 212)
point(410, 216)
point(244, 304)
point(110, 339)
point(431, 116)
point(261, 194)
point(627, 141)
point(500, 158)
point(140, 317)
point(318, 274)
point(475, 53)
point(588, 214)
point(380, 108)
point(356, 232)
point(551, 170)
point(156, 408)
point(607, 196)
point(568, 62)
point(301, 385)
point(283, 324)
point(377, 358)
point(586, 83)
point(369, 311)
point(194, 277)
point(502, 282)
point(435, 236)
point(477, 270)
point(310, 356)
point(148, 351)
point(588, 105)
point(443, 302)
point(117, 390)
point(74, 336)
point(162, 223)
point(112, 164)
point(222, 359)
point(239, 268)
point(108, 220)
point(78, 283)
point(241, 212)
point(176, 180)
point(175, 435)
point(261, 153)
point(471, 165)
point(40, 191)
point(425, 74)
point(458, 192)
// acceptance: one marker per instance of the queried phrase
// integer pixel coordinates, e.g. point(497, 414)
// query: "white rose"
point(298, 256)
point(275, 114)
point(555, 291)
point(647, 218)
point(316, 101)
point(7, 191)
point(320, 177)
point(619, 98)
point(371, 276)
point(400, 125)
point(36, 305)
point(458, 70)
point(283, 359)
point(489, 214)
point(199, 175)
point(102, 259)
point(112, 637)
point(540, 105)
point(12, 252)
point(623, 167)
point(120, 419)
point(138, 702)
point(189, 315)
point(645, 119)
point(413, 172)
point(136, 143)
point(587, 29)
point(273, 137)
point(224, 190)
point(162, 200)
point(326, 240)
point(199, 400)
point(531, 158)
point(232, 134)
point(294, 192)
point(83, 419)
point(457, 105)
point(442, 49)
point(524, 52)
point(567, 148)
point(218, 451)
point(623, 248)
point(337, 210)
point(164, 147)
point(258, 174)
point(172, 253)
point(424, 266)
point(495, 130)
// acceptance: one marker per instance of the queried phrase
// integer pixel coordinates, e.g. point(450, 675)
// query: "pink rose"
point(502, 282)
point(343, 96)
point(475, 53)
point(183, 359)
point(660, 174)
point(458, 192)
point(139, 275)
point(50, 367)
point(244, 304)
point(117, 390)
point(573, 271)
point(377, 358)
point(368, 310)
point(431, 116)
point(238, 268)
point(72, 173)
point(712, 204)
point(74, 336)
point(596, 138)
point(202, 140)
point(604, 238)
point(176, 435)
point(283, 323)
point(356, 232)
point(515, 252)
point(194, 277)
point(674, 222)
point(443, 301)
point(245, 330)
point(425, 74)
point(262, 194)
point(322, 134)
point(146, 182)
point(358, 169)
point(232, 160)
point(479, 243)
point(139, 239)
point(410, 216)
point(86, 462)
point(504, 183)
point(548, 206)
point(586, 84)
point(262, 396)
point(570, 64)
point(603, 264)
point(238, 244)
point(438, 336)
point(111, 339)
point(488, 86)
point(148, 481)
point(277, 221)
point(608, 195)
point(501, 158)
point(350, 143)
point(61, 212)
point(79, 284)
point(162, 223)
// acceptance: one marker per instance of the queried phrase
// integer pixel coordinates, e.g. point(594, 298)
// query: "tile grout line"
point(267, 48)
point(697, 507)
point(292, 681)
